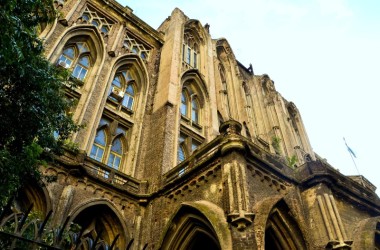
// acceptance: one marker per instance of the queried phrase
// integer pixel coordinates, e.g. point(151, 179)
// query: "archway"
point(198, 225)
point(282, 231)
point(100, 225)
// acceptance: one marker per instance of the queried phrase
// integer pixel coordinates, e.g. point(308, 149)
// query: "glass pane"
point(181, 154)
point(96, 23)
point(128, 101)
point(183, 104)
point(82, 74)
point(86, 17)
point(97, 153)
point(194, 145)
point(85, 61)
point(188, 55)
point(143, 55)
point(76, 71)
point(110, 160)
point(104, 29)
point(117, 146)
point(130, 90)
point(100, 138)
point(104, 121)
point(82, 47)
point(121, 130)
point(69, 52)
point(116, 163)
point(194, 111)
point(117, 82)
point(135, 50)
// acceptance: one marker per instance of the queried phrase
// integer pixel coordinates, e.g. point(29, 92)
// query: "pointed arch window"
point(110, 144)
point(123, 90)
point(190, 107)
point(190, 51)
point(98, 148)
point(195, 110)
point(186, 146)
point(76, 57)
point(184, 102)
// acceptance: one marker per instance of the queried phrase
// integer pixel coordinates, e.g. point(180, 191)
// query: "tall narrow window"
point(129, 97)
point(99, 146)
point(123, 90)
point(114, 159)
point(181, 149)
point(184, 102)
point(195, 111)
point(76, 57)
point(190, 51)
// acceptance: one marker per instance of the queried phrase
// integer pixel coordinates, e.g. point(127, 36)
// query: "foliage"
point(32, 100)
point(291, 161)
point(276, 144)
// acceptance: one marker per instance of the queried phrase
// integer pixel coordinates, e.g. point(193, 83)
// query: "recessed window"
point(190, 51)
point(190, 107)
point(123, 90)
point(99, 145)
point(92, 17)
point(76, 57)
point(186, 146)
point(110, 144)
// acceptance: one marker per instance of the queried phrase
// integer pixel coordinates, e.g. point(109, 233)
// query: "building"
point(186, 148)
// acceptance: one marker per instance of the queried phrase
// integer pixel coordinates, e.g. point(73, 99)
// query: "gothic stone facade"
point(186, 148)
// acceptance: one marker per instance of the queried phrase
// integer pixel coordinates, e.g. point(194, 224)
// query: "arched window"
point(123, 90)
point(184, 103)
point(98, 148)
point(190, 107)
point(110, 144)
point(195, 110)
point(190, 51)
point(76, 58)
point(114, 159)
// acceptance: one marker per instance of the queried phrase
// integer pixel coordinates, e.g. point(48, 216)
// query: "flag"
point(349, 149)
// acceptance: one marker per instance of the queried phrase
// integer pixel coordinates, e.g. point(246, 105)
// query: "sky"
point(324, 55)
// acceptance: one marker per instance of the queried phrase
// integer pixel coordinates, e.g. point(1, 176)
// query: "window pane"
point(117, 82)
point(82, 47)
point(69, 52)
point(79, 72)
point(183, 104)
point(104, 29)
point(100, 138)
point(128, 101)
point(130, 90)
point(96, 23)
point(194, 145)
point(194, 111)
point(188, 55)
point(85, 61)
point(97, 153)
point(121, 130)
point(86, 17)
point(181, 154)
point(114, 161)
point(117, 146)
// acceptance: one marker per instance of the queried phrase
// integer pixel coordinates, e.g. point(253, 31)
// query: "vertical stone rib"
point(325, 219)
point(230, 191)
point(333, 218)
point(245, 191)
point(343, 231)
point(237, 186)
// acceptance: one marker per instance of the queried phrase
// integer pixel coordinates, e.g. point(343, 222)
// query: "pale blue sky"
point(324, 55)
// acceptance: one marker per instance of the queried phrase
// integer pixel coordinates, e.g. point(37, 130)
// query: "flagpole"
point(352, 158)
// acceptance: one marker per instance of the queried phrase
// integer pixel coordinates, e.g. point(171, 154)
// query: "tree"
point(32, 102)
